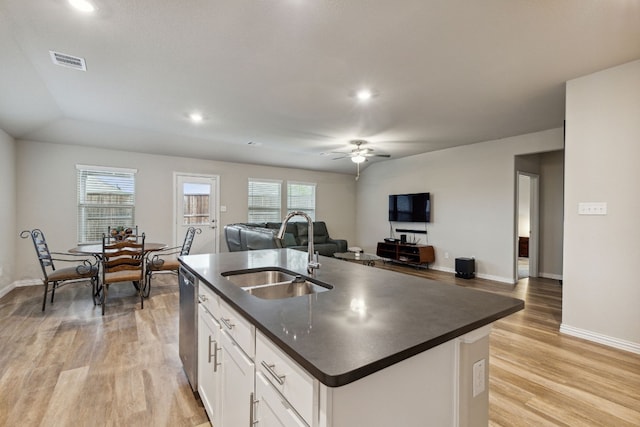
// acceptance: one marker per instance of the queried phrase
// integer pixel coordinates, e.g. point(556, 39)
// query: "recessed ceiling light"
point(82, 5)
point(364, 95)
point(196, 117)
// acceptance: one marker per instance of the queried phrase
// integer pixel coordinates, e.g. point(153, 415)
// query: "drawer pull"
point(227, 322)
point(270, 369)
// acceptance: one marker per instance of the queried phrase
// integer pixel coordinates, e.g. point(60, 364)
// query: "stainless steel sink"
point(275, 283)
point(248, 278)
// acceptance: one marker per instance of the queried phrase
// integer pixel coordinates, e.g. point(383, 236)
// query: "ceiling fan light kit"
point(358, 158)
point(359, 154)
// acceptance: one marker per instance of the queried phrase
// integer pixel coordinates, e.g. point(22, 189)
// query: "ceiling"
point(283, 74)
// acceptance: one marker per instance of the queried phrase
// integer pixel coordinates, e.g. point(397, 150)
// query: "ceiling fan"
point(359, 154)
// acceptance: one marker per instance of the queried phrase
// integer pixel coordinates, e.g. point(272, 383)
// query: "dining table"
point(96, 248)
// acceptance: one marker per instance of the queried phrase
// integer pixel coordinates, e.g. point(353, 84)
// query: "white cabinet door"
point(238, 378)
point(273, 410)
point(209, 364)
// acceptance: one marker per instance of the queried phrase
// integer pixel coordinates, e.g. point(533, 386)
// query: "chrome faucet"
point(313, 264)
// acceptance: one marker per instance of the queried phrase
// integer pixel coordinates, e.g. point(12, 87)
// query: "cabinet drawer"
point(272, 409)
point(209, 299)
point(238, 328)
point(293, 382)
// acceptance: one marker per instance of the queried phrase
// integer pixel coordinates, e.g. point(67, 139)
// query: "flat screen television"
point(410, 207)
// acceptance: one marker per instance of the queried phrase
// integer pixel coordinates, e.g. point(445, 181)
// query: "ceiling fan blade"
point(375, 155)
point(346, 156)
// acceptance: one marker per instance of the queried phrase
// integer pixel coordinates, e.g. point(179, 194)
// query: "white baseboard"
point(18, 284)
point(478, 275)
point(550, 276)
point(28, 282)
point(6, 289)
point(633, 347)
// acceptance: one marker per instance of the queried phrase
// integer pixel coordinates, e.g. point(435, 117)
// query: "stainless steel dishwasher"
point(188, 338)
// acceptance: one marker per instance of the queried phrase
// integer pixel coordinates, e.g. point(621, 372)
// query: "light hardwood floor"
point(72, 367)
point(539, 377)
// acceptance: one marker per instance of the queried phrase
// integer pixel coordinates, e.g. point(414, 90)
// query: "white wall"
point(7, 211)
point(46, 185)
point(473, 200)
point(551, 214)
point(601, 295)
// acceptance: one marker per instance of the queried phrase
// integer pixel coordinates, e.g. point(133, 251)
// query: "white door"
point(197, 206)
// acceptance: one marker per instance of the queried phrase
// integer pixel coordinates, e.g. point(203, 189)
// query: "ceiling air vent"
point(68, 61)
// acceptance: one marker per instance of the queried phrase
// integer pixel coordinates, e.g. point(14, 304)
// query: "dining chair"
point(165, 260)
point(122, 261)
point(83, 267)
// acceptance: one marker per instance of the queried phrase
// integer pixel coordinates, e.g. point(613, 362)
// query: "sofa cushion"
point(320, 238)
point(289, 240)
point(320, 229)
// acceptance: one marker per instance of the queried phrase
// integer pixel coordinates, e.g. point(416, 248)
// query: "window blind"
point(301, 196)
point(106, 198)
point(264, 200)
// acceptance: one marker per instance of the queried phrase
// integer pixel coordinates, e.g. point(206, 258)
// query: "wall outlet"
point(478, 377)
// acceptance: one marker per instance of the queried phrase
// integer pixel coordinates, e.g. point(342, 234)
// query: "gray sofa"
point(246, 237)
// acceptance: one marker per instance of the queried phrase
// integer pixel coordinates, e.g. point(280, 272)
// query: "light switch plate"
point(592, 208)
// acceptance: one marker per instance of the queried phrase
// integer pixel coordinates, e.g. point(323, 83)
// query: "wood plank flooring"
point(539, 377)
point(70, 366)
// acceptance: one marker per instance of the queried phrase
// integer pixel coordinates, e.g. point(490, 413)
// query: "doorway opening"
point(527, 207)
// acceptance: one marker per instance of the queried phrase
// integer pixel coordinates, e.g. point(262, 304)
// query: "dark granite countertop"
point(371, 319)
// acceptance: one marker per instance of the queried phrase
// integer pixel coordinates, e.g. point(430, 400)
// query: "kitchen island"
point(378, 348)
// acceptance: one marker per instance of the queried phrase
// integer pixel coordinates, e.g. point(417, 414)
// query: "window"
point(264, 200)
point(196, 203)
point(106, 198)
point(301, 196)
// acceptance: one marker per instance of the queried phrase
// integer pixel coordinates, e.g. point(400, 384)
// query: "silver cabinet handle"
point(202, 298)
point(227, 322)
point(252, 414)
point(215, 356)
point(274, 374)
point(211, 342)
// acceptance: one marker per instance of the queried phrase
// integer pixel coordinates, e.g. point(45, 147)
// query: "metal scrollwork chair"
point(84, 268)
point(165, 260)
point(122, 261)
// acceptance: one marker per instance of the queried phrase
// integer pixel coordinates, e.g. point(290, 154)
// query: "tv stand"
point(416, 255)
